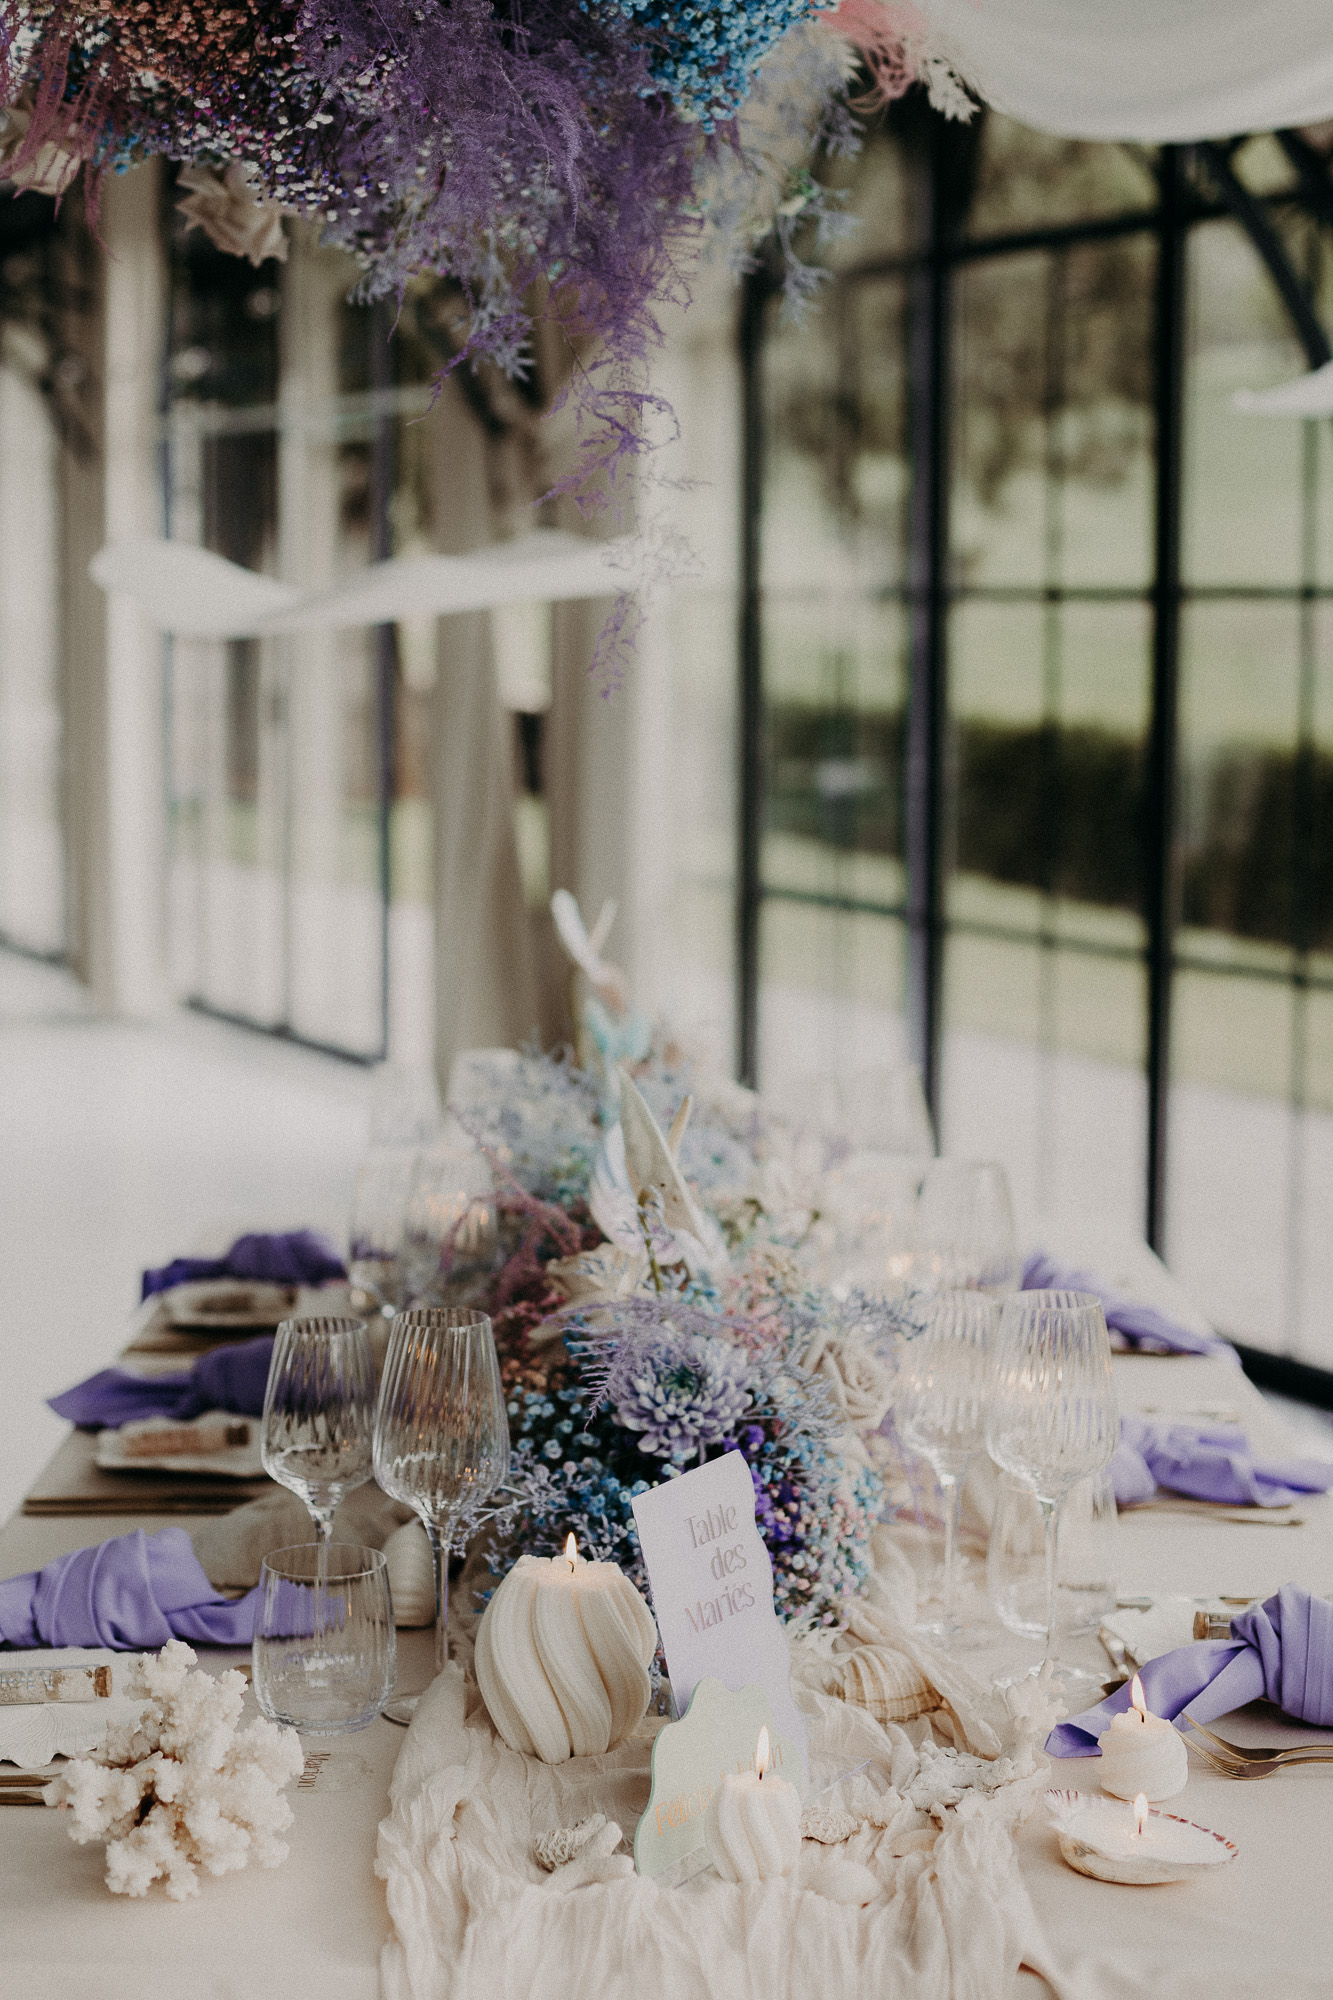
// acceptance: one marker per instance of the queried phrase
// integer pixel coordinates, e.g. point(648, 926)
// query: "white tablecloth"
point(313, 1929)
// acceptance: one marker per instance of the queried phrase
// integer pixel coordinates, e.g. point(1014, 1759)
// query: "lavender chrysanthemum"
point(679, 1391)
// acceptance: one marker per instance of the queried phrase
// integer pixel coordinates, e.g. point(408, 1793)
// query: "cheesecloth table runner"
point(474, 1918)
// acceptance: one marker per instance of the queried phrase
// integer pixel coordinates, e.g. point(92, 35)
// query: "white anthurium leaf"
point(649, 1162)
point(611, 1197)
point(601, 930)
point(572, 932)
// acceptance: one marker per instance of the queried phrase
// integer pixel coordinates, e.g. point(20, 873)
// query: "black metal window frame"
point(940, 248)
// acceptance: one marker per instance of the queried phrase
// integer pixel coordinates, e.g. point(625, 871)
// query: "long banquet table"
point(312, 1929)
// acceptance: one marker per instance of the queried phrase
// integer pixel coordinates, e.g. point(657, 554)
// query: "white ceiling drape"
point(1153, 70)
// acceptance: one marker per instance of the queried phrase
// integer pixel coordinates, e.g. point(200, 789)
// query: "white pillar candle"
point(562, 1656)
point(1142, 1753)
point(752, 1829)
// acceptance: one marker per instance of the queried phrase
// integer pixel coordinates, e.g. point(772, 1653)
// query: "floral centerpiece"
point(653, 1309)
point(555, 159)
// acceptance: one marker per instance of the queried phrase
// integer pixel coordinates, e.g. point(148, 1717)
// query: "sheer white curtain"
point(1155, 70)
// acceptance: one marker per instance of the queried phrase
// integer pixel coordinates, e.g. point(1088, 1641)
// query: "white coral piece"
point(182, 1788)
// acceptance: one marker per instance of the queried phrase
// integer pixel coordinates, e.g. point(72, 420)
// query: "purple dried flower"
point(680, 1391)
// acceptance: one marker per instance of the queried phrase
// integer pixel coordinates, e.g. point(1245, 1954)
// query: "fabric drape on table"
point(299, 1257)
point(1207, 1462)
point(476, 1919)
point(1141, 1324)
point(232, 1378)
point(133, 1592)
point(1142, 69)
point(1281, 1649)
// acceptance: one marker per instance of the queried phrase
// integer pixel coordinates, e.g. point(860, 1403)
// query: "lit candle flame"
point(571, 1550)
point(761, 1752)
point(1136, 1697)
point(1140, 1812)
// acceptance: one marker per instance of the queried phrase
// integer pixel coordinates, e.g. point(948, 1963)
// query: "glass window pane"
point(1240, 701)
point(1043, 1070)
point(1053, 383)
point(1231, 1187)
point(831, 992)
point(1243, 473)
point(1026, 178)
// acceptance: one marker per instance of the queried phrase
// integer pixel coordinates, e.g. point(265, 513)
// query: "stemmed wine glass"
point(441, 1436)
point(319, 1413)
point(450, 1228)
point(965, 1226)
point(379, 1216)
point(944, 1381)
point(1052, 1417)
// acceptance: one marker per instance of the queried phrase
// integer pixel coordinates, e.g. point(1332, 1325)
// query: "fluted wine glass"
point(319, 1413)
point(965, 1227)
point(943, 1385)
point(441, 1435)
point(1052, 1417)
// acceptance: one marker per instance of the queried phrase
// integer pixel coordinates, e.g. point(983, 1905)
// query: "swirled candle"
point(562, 1656)
point(753, 1826)
point(1142, 1753)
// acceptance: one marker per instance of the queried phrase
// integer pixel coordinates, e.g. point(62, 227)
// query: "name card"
point(712, 1588)
point(691, 1757)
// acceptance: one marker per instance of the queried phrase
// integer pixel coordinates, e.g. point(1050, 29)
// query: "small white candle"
point(1131, 1843)
point(1142, 1753)
point(753, 1826)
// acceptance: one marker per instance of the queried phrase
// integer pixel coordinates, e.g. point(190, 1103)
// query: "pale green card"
point(717, 1734)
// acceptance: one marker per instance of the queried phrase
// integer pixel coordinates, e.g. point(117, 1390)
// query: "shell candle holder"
point(1131, 1843)
point(1142, 1753)
point(753, 1826)
point(562, 1657)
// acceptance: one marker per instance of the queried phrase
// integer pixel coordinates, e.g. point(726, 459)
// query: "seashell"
point(886, 1683)
point(562, 1657)
point(828, 1824)
point(411, 1575)
point(596, 1836)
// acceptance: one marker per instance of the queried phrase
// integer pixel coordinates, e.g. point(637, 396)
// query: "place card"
point(712, 1589)
point(691, 1757)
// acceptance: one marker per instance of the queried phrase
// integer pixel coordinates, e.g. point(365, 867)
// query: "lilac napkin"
point(1207, 1462)
point(1141, 1325)
point(1282, 1649)
point(226, 1378)
point(131, 1593)
point(301, 1257)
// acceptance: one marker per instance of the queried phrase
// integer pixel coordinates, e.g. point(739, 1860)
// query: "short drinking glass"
point(324, 1655)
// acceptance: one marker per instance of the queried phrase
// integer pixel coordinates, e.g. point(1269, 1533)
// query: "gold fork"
point(1228, 1749)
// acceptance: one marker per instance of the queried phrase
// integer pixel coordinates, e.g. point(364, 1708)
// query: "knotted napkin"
point(300, 1257)
point(1207, 1462)
point(1140, 1325)
point(226, 1378)
point(1282, 1648)
point(131, 1593)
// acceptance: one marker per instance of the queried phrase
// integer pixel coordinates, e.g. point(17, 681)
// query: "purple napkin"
point(1207, 1462)
point(226, 1378)
point(1141, 1325)
point(1282, 1649)
point(301, 1257)
point(131, 1593)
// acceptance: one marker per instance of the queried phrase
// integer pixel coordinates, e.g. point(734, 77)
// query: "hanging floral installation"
point(558, 159)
